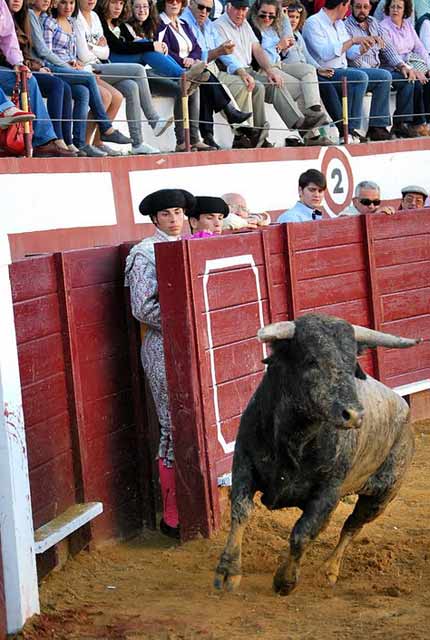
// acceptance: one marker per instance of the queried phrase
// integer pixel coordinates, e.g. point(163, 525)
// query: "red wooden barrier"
point(215, 293)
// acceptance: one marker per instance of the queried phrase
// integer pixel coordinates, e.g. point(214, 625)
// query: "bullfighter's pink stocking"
point(168, 494)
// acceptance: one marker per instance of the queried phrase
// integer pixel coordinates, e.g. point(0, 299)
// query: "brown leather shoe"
point(421, 129)
point(52, 150)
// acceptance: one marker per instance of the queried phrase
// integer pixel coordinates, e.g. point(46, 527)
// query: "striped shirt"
point(58, 41)
point(376, 56)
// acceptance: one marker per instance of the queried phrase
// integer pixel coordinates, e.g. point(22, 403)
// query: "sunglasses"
point(271, 16)
point(201, 7)
point(367, 202)
point(292, 7)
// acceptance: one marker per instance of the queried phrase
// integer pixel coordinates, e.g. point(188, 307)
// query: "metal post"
point(345, 108)
point(25, 107)
point(185, 114)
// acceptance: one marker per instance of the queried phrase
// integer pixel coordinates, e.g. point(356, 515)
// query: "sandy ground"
point(149, 589)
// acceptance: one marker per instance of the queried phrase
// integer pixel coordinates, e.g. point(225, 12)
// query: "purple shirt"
point(404, 39)
point(8, 40)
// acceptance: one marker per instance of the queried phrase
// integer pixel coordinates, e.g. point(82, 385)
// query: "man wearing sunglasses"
point(413, 197)
point(215, 48)
point(367, 199)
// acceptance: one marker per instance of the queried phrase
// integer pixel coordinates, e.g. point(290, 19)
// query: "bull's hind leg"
point(228, 573)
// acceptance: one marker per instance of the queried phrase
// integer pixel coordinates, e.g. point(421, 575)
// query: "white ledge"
point(63, 525)
point(413, 387)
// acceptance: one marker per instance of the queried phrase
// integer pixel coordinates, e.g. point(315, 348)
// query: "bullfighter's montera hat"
point(209, 204)
point(167, 199)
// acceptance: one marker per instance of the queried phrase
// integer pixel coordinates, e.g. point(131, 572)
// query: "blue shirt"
point(209, 38)
point(324, 39)
point(300, 213)
point(270, 39)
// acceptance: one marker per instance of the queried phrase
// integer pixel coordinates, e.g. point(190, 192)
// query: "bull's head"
point(318, 355)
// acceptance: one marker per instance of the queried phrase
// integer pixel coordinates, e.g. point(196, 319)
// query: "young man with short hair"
point(312, 185)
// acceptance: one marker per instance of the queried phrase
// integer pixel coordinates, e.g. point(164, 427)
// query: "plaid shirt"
point(376, 56)
point(58, 41)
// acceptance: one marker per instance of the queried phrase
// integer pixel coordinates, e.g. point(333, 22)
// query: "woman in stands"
point(57, 92)
point(128, 78)
point(274, 31)
point(44, 138)
point(400, 30)
point(166, 209)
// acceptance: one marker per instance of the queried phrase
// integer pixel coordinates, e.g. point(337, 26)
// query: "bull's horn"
point(276, 331)
point(372, 338)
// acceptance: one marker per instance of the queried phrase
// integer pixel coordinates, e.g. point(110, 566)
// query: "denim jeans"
point(85, 92)
point(357, 86)
point(59, 104)
point(404, 98)
point(379, 85)
point(5, 103)
point(43, 130)
point(162, 65)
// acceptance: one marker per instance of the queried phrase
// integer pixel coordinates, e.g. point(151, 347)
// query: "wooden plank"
point(99, 265)
point(401, 225)
point(53, 488)
point(401, 250)
point(230, 288)
point(118, 446)
point(45, 399)
point(202, 250)
point(98, 303)
point(399, 361)
point(325, 233)
point(331, 290)
point(233, 396)
point(224, 323)
point(32, 278)
point(401, 277)
point(330, 261)
point(404, 304)
point(48, 439)
point(107, 414)
point(237, 359)
point(40, 358)
point(37, 318)
point(278, 268)
point(99, 341)
point(65, 524)
point(354, 311)
point(105, 377)
point(408, 377)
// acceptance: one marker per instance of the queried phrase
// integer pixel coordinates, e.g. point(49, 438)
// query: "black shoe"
point(116, 136)
point(209, 140)
point(234, 116)
point(171, 532)
point(378, 134)
point(362, 138)
point(404, 130)
point(241, 141)
point(294, 142)
point(267, 145)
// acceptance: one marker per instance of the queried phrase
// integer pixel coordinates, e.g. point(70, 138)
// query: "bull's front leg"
point(228, 573)
point(314, 518)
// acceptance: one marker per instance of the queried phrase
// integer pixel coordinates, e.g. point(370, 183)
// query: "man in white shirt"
point(367, 199)
point(232, 25)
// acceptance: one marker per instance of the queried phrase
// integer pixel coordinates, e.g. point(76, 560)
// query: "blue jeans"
point(59, 103)
point(404, 98)
point(5, 103)
point(357, 86)
point(379, 86)
point(85, 92)
point(43, 130)
point(163, 65)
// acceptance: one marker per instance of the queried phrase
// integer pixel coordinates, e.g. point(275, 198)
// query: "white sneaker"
point(351, 140)
point(144, 148)
point(71, 147)
point(162, 126)
point(108, 150)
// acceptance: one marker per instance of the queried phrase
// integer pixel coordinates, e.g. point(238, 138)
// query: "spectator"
point(273, 30)
point(402, 35)
point(413, 197)
point(44, 138)
point(367, 199)
point(233, 25)
point(298, 52)
point(312, 185)
point(183, 46)
point(383, 53)
point(207, 216)
point(57, 92)
point(328, 42)
point(422, 27)
point(217, 51)
point(240, 217)
point(130, 79)
point(59, 34)
point(166, 209)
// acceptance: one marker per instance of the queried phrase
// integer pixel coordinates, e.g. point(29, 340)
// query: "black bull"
point(317, 429)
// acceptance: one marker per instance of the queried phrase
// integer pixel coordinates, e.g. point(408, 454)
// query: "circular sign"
point(340, 181)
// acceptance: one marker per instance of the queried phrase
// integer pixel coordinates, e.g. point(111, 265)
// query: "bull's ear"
point(359, 373)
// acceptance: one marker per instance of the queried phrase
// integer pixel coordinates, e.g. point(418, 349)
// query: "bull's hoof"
point(331, 571)
point(331, 577)
point(282, 586)
point(225, 581)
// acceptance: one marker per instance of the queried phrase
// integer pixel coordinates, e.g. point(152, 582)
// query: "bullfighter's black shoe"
point(167, 530)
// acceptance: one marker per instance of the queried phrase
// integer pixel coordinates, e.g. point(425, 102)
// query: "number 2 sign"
point(340, 181)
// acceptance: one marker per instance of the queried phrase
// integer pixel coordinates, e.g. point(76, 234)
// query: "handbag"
point(12, 138)
point(417, 63)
